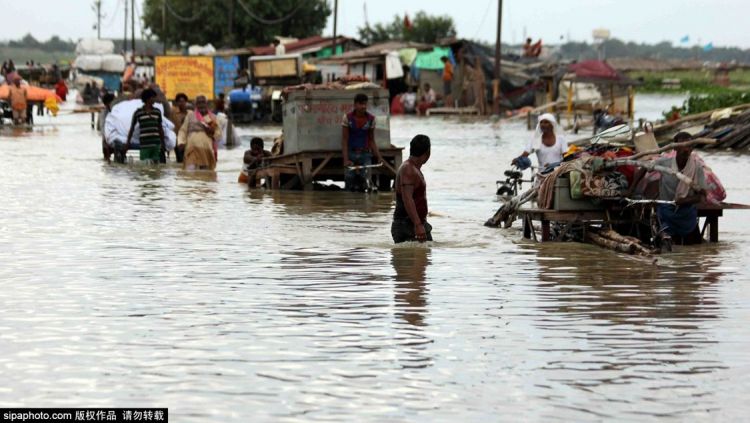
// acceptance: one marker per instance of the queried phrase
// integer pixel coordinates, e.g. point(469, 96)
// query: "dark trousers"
point(402, 230)
point(358, 180)
point(119, 150)
point(179, 153)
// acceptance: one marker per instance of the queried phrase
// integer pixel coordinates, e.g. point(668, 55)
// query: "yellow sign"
point(192, 75)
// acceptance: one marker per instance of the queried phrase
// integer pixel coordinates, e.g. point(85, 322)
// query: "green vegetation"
point(693, 81)
point(699, 103)
point(54, 44)
point(23, 55)
point(238, 23)
point(54, 50)
point(423, 29)
point(663, 50)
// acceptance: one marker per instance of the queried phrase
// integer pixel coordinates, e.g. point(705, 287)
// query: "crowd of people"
point(21, 103)
point(197, 128)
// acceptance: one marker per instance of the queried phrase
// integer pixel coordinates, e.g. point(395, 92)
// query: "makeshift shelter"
point(615, 90)
point(369, 61)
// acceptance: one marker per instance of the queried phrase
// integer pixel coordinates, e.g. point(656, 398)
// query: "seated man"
point(409, 101)
point(358, 145)
point(681, 219)
point(428, 101)
point(253, 160)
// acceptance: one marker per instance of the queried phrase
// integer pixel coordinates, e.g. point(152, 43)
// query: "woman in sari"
point(199, 132)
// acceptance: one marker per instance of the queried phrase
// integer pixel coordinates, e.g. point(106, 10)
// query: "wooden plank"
point(307, 181)
point(391, 151)
point(470, 110)
point(321, 166)
point(713, 232)
point(544, 214)
point(545, 231)
point(275, 179)
point(527, 228)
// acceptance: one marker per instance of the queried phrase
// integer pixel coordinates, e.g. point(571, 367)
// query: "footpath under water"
point(137, 286)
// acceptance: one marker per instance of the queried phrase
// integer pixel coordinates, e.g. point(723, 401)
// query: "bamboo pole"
point(615, 236)
point(651, 166)
point(620, 247)
point(672, 146)
point(507, 212)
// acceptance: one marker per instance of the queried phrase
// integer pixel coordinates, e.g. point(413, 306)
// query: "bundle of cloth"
point(117, 125)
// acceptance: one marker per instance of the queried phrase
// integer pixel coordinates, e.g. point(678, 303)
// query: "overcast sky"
point(723, 22)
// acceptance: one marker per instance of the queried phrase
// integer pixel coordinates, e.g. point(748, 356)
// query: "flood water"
point(134, 286)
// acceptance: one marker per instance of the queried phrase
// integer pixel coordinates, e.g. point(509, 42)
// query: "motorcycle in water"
point(603, 121)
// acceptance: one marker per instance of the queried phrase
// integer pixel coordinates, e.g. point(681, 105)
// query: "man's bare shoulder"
point(407, 171)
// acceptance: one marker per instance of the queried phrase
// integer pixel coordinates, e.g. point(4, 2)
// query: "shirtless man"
point(410, 216)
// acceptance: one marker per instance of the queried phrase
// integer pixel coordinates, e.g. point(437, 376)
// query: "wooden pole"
point(230, 38)
point(164, 25)
point(496, 81)
point(98, 5)
point(125, 33)
point(132, 27)
point(335, 25)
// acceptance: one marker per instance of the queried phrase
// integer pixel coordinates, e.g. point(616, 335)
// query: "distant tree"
point(254, 22)
point(381, 32)
point(28, 41)
point(423, 29)
point(57, 44)
point(54, 44)
point(662, 50)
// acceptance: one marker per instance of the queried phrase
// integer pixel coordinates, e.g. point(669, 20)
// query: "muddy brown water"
point(132, 286)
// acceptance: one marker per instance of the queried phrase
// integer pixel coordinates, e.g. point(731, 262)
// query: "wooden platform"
point(471, 110)
point(301, 170)
point(710, 213)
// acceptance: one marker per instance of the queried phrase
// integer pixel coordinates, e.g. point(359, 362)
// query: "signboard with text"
point(225, 70)
point(192, 75)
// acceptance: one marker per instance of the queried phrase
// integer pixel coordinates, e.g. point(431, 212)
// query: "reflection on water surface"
point(129, 285)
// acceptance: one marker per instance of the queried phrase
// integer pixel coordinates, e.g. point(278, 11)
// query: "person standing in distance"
point(410, 216)
point(358, 143)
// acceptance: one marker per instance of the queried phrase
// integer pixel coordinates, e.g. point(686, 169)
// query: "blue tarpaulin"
point(225, 70)
point(111, 79)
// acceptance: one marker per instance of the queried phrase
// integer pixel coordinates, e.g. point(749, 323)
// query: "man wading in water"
point(410, 216)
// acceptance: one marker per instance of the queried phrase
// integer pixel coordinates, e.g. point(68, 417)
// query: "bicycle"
point(513, 182)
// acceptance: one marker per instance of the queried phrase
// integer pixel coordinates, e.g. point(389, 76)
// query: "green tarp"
point(326, 52)
point(431, 59)
point(407, 55)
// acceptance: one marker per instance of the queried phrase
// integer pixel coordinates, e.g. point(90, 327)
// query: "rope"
point(484, 16)
point(114, 15)
point(270, 21)
point(180, 17)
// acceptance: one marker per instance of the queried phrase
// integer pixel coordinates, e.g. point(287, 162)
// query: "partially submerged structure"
point(311, 152)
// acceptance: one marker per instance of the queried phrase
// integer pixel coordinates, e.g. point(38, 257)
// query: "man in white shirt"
point(280, 49)
point(548, 143)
